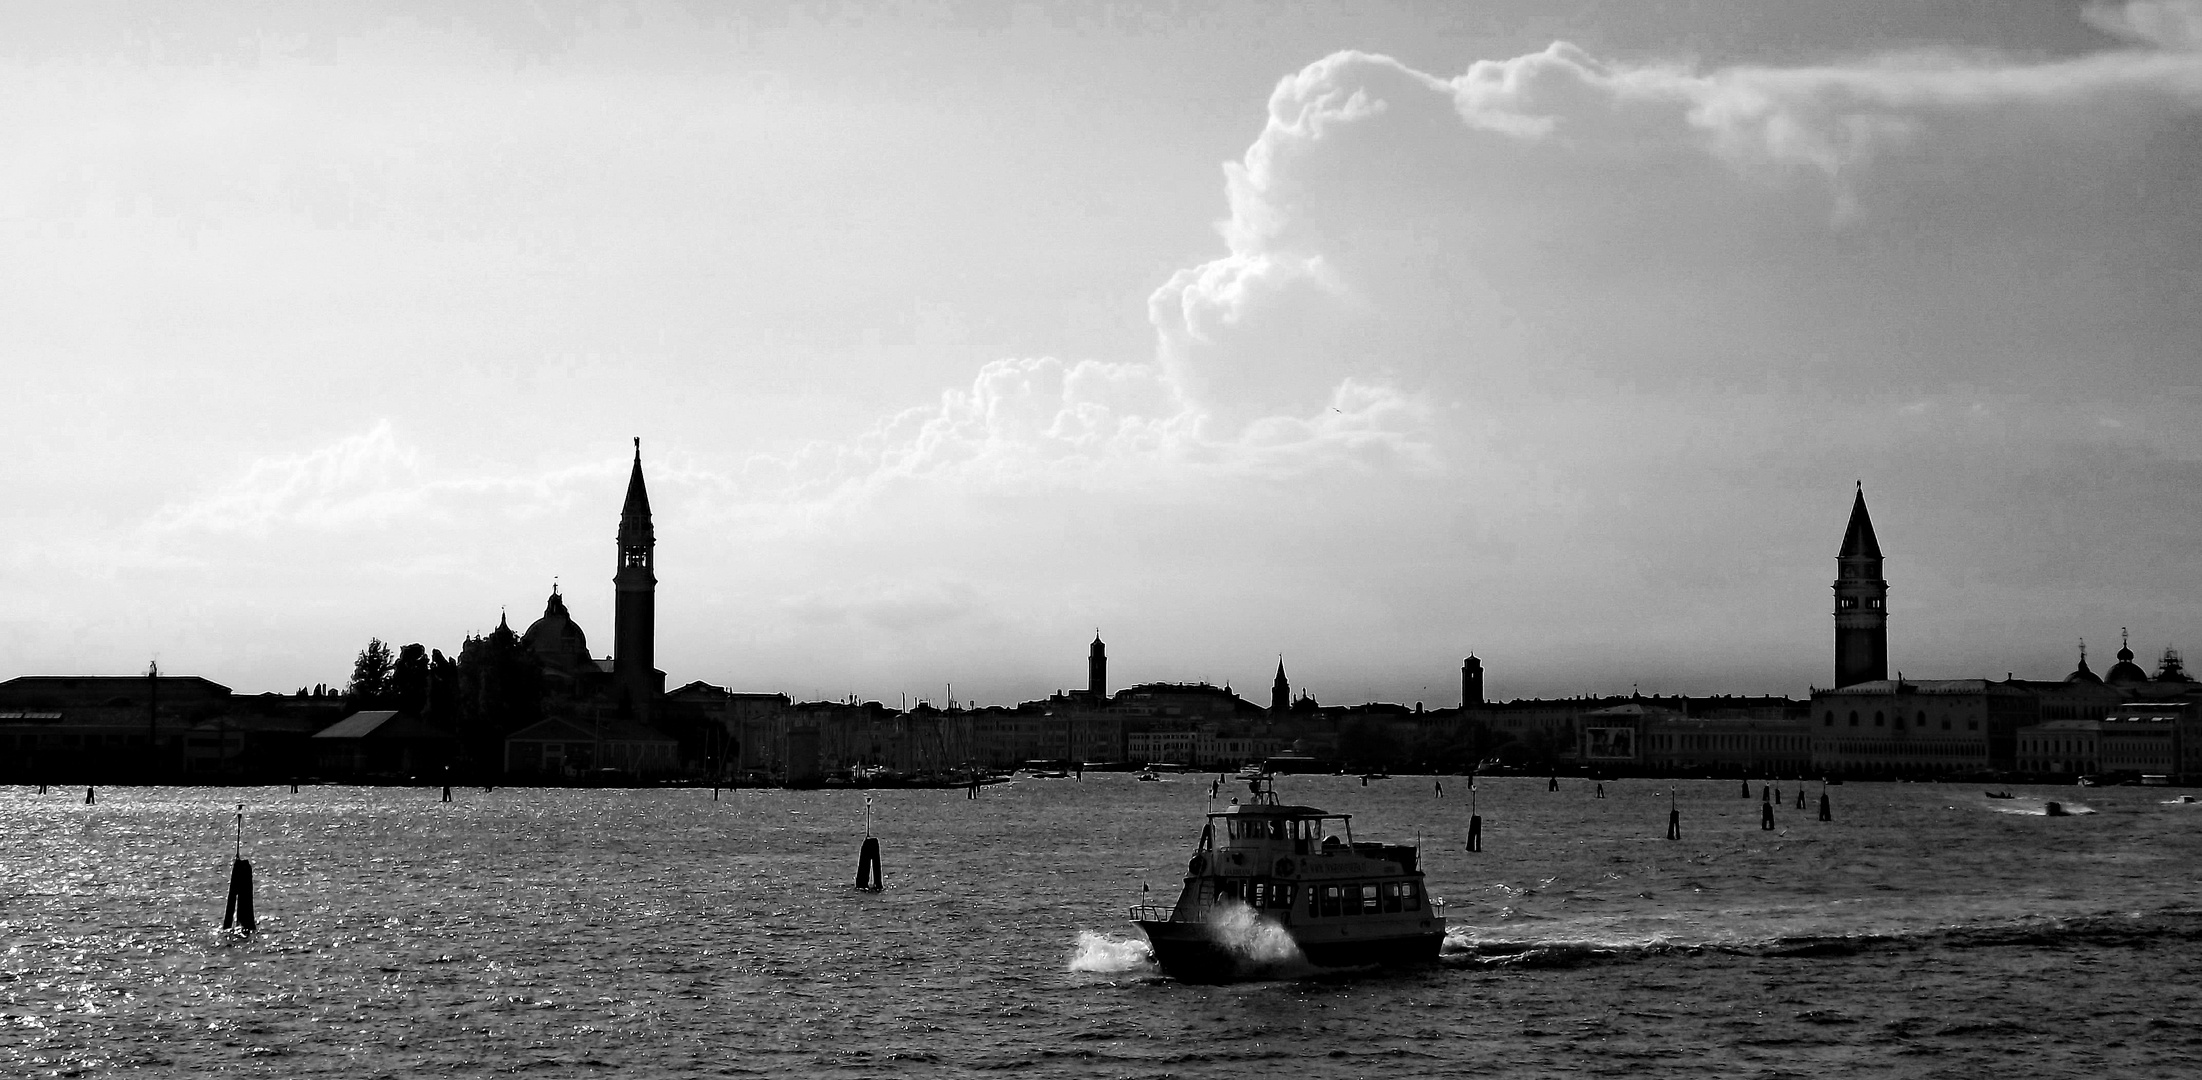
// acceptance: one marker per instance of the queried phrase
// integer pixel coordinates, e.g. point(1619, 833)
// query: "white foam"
point(1257, 941)
point(1108, 954)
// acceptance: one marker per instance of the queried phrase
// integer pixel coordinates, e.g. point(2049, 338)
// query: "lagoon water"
point(1926, 931)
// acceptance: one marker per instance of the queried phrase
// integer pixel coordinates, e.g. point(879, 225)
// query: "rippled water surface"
point(1926, 931)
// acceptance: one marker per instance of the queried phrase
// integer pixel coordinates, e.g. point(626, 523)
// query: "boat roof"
point(1274, 810)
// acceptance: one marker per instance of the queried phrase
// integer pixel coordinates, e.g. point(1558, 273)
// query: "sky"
point(1365, 337)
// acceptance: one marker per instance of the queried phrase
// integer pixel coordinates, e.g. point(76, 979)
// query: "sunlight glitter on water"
point(660, 933)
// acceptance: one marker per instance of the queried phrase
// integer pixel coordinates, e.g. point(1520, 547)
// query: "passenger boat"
point(1274, 890)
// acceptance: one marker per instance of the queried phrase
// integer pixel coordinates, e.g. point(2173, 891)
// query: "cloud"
point(370, 482)
point(1569, 353)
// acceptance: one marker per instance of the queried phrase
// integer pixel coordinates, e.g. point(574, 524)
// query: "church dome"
point(2125, 670)
point(555, 637)
point(2081, 674)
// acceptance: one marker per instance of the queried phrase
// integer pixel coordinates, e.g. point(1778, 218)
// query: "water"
point(1927, 931)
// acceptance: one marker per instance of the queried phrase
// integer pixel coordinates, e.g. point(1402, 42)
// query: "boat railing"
point(1157, 913)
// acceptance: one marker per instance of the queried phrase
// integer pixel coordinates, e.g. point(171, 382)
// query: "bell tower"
point(1861, 602)
point(1097, 669)
point(1280, 691)
point(634, 618)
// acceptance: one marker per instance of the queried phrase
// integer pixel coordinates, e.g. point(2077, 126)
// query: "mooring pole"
point(237, 911)
point(868, 874)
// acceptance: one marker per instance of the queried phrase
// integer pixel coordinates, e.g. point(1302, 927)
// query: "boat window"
point(1330, 899)
point(1280, 895)
point(1391, 895)
point(1314, 901)
point(1413, 891)
point(1369, 904)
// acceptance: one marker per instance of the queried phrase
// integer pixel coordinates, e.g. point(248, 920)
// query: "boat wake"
point(1465, 947)
point(2029, 806)
point(1110, 954)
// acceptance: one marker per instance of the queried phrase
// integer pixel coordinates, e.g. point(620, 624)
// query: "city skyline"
point(950, 340)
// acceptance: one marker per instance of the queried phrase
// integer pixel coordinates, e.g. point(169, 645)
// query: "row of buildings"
point(587, 716)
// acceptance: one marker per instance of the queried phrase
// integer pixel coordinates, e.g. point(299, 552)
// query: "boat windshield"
point(1258, 827)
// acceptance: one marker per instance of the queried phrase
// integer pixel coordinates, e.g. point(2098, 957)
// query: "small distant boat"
point(1375, 776)
point(2054, 809)
point(2000, 795)
point(2089, 781)
point(1149, 778)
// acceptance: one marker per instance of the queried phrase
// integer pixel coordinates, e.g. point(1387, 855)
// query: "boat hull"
point(1193, 952)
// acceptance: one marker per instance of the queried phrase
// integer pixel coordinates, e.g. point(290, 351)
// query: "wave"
point(2110, 929)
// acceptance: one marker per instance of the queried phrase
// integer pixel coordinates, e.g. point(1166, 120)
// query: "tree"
point(443, 691)
point(409, 679)
point(371, 675)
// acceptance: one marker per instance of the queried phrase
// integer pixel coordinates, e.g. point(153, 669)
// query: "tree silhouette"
point(371, 676)
point(409, 680)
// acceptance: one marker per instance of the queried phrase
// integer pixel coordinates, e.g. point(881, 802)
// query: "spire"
point(637, 507)
point(1858, 540)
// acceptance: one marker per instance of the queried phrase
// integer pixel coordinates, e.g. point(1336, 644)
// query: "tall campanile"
point(634, 620)
point(1861, 602)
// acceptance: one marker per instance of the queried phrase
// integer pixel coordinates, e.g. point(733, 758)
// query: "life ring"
point(1198, 866)
point(1284, 868)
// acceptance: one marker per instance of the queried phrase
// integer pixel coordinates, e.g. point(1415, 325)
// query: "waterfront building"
point(563, 749)
point(383, 744)
point(58, 728)
point(1727, 746)
point(2063, 748)
point(1920, 727)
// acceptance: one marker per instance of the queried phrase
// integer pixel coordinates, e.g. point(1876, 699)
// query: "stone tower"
point(1471, 682)
point(1280, 692)
point(634, 622)
point(1097, 669)
point(1861, 602)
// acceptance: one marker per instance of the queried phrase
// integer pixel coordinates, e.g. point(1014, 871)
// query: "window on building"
point(1972, 725)
point(1878, 719)
point(1830, 719)
point(1854, 718)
